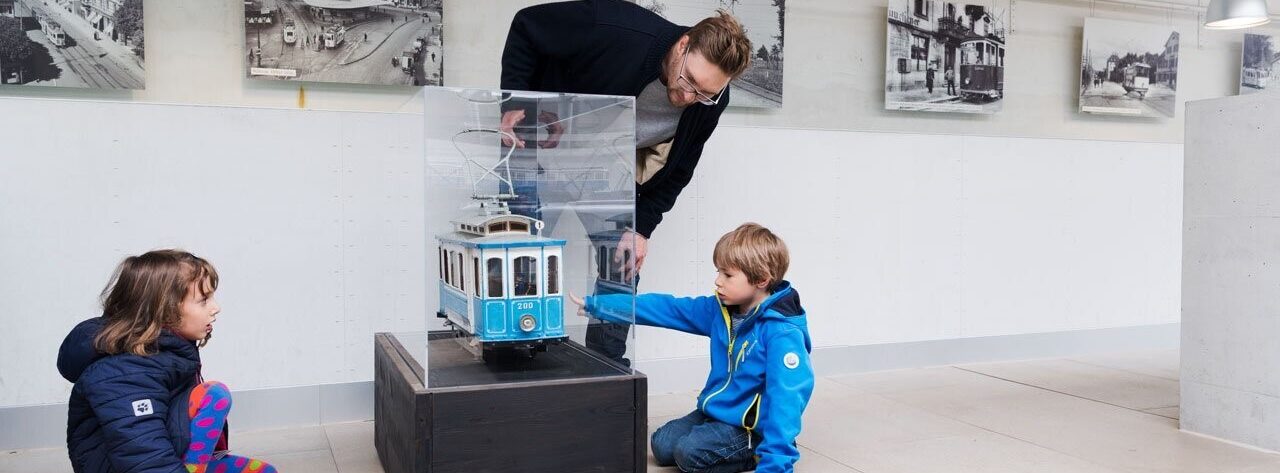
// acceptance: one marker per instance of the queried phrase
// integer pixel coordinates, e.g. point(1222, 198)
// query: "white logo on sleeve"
point(791, 360)
point(142, 408)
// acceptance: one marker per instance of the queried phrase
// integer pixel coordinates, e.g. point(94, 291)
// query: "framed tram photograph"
point(72, 43)
point(946, 56)
point(761, 85)
point(381, 42)
point(1259, 59)
point(1128, 68)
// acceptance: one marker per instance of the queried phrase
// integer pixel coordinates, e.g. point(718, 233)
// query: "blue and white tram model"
point(501, 281)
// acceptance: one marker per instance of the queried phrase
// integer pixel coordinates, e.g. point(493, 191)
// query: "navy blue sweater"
point(128, 413)
point(609, 47)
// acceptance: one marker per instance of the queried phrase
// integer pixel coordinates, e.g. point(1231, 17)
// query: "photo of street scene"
point(381, 42)
point(761, 85)
point(1258, 61)
point(72, 43)
point(1129, 68)
point(945, 56)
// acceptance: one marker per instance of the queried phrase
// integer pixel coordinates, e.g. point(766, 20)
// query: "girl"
point(139, 404)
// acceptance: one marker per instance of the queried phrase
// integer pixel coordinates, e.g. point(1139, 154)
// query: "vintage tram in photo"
point(981, 69)
point(1137, 78)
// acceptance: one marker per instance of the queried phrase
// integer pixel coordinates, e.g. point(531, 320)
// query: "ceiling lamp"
point(1235, 14)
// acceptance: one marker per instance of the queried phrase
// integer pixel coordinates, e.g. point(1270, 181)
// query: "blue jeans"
point(697, 443)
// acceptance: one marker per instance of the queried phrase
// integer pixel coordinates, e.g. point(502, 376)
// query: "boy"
point(748, 414)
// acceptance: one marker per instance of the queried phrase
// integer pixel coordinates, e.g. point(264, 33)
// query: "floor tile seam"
point(1115, 469)
point(1113, 368)
point(823, 455)
point(1042, 388)
point(329, 441)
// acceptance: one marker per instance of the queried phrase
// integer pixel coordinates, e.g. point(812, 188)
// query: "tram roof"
point(347, 4)
point(501, 240)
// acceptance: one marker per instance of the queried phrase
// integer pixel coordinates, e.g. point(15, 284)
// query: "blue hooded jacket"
point(760, 376)
point(128, 413)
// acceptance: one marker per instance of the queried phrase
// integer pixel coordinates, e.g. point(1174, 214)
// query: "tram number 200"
point(524, 306)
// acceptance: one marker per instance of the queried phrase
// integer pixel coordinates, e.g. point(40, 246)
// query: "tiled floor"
point(1115, 413)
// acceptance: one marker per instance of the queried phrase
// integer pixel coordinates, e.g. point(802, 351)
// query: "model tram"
point(501, 281)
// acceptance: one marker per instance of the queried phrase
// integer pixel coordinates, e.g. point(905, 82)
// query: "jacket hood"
point(784, 306)
point(77, 351)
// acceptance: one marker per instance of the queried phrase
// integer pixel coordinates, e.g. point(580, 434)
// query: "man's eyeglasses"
point(687, 86)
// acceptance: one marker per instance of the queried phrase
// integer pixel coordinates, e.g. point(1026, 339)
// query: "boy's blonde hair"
point(755, 251)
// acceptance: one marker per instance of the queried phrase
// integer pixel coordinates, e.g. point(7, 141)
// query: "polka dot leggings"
point(209, 405)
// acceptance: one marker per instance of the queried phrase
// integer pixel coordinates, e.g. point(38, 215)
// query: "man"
point(679, 76)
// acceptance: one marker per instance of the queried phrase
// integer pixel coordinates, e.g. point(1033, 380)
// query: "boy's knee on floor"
point(662, 447)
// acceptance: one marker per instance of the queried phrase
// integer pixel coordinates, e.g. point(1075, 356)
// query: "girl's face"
point(198, 312)
point(734, 288)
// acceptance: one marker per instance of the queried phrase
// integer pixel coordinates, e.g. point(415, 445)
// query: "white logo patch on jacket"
point(142, 408)
point(791, 360)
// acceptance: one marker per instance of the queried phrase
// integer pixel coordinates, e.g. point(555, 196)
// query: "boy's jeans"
point(697, 443)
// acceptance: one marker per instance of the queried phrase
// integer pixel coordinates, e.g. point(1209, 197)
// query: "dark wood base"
point(597, 423)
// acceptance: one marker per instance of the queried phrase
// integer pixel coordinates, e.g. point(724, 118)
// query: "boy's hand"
point(582, 305)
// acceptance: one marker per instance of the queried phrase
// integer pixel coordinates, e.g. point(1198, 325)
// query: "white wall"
point(902, 237)
point(1042, 220)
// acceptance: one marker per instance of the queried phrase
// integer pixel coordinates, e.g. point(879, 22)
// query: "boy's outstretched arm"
point(695, 315)
point(788, 383)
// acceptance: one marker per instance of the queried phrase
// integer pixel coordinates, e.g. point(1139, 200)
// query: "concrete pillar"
point(1231, 270)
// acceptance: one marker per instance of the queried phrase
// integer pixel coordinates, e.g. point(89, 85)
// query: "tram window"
point(525, 276)
point(603, 270)
point(615, 271)
point(919, 51)
point(475, 289)
point(448, 271)
point(495, 277)
point(626, 260)
point(441, 263)
point(519, 227)
point(553, 275)
point(497, 227)
point(461, 271)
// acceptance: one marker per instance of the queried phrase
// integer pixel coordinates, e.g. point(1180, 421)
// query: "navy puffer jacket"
point(128, 413)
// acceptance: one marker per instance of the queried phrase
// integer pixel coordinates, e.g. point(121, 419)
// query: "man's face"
point(689, 73)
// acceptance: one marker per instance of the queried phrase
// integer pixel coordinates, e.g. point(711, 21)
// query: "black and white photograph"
point(1129, 68)
point(72, 43)
point(761, 85)
point(1258, 61)
point(380, 42)
point(946, 56)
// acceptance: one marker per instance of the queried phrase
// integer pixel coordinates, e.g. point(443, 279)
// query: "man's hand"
point(508, 128)
point(554, 129)
point(638, 246)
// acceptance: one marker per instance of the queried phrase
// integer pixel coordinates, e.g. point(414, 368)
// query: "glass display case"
point(521, 219)
point(530, 197)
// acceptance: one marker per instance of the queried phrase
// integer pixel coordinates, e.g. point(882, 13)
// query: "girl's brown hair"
point(143, 298)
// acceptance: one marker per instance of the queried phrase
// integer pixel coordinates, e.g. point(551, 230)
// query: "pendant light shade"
point(1234, 14)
